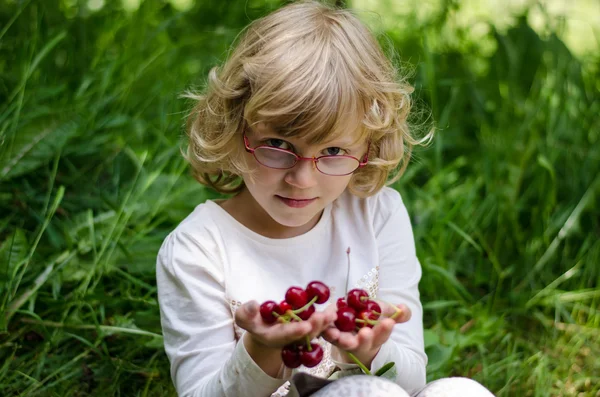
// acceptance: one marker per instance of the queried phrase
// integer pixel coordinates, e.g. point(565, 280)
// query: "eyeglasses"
point(282, 159)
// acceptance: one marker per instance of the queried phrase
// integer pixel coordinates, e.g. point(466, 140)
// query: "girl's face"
point(289, 202)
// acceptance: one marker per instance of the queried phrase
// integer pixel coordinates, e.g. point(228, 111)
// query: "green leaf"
point(440, 304)
point(438, 356)
point(13, 251)
point(34, 146)
point(431, 338)
point(385, 368)
point(155, 343)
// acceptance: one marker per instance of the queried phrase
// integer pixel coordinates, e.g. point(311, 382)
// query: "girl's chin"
point(293, 223)
point(296, 221)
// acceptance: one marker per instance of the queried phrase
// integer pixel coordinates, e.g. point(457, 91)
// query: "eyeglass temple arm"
point(365, 157)
point(247, 145)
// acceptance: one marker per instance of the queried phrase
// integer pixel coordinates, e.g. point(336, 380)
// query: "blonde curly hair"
point(310, 71)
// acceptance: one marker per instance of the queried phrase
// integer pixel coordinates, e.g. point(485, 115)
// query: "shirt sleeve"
point(197, 325)
point(399, 276)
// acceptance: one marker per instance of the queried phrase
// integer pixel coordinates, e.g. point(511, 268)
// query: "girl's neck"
point(244, 209)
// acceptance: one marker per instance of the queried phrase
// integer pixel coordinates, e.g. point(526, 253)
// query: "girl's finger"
point(318, 322)
point(298, 330)
point(331, 335)
point(331, 308)
point(326, 320)
point(347, 341)
point(282, 334)
point(400, 313)
point(404, 315)
point(382, 331)
point(295, 329)
point(365, 337)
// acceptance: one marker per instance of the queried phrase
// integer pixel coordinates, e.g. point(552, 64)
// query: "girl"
point(305, 123)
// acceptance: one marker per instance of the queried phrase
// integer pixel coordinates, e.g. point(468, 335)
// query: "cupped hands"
point(366, 343)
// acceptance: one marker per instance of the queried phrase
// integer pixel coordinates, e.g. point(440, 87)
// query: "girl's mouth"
point(296, 203)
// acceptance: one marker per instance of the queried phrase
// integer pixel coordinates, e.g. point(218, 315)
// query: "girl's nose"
point(303, 175)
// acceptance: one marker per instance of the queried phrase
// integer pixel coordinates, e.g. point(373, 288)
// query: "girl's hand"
point(366, 343)
point(278, 335)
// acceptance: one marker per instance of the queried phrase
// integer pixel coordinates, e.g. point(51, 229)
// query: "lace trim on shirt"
point(234, 305)
point(369, 282)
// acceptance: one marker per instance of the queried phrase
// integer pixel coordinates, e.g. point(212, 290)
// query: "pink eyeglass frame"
point(298, 158)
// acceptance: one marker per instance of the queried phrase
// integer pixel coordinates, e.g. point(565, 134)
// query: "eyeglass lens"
point(327, 165)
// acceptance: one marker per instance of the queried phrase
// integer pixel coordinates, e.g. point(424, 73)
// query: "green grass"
point(505, 203)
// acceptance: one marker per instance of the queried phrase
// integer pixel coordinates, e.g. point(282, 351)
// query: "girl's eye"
point(334, 151)
point(278, 143)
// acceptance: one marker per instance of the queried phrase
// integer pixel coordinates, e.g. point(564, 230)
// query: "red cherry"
point(284, 306)
point(352, 310)
point(267, 309)
point(357, 298)
point(374, 308)
point(311, 358)
point(296, 297)
point(290, 356)
point(305, 315)
point(345, 319)
point(341, 302)
point(318, 289)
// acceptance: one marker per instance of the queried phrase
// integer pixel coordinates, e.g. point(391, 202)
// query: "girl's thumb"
point(251, 308)
point(245, 315)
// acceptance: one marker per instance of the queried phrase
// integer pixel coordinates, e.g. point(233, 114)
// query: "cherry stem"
point(397, 313)
point(360, 365)
point(308, 345)
point(368, 321)
point(281, 318)
point(309, 304)
point(294, 316)
point(398, 310)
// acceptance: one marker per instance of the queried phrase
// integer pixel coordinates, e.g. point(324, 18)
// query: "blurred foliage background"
point(505, 202)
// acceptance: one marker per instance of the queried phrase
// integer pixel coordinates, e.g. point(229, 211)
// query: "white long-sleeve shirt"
point(211, 264)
